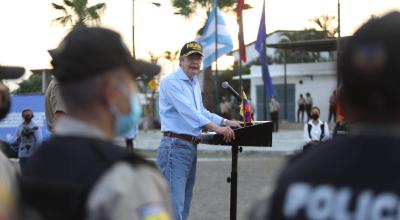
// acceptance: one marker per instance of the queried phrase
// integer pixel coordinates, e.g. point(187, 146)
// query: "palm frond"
point(93, 15)
point(99, 6)
point(58, 7)
point(69, 3)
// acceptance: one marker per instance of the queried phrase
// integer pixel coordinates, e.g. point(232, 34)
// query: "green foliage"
point(299, 56)
point(187, 8)
point(78, 12)
point(31, 85)
point(325, 24)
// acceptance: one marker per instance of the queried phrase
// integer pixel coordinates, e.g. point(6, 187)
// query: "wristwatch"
point(224, 122)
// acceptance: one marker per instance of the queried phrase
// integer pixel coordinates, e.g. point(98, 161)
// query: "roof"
point(311, 45)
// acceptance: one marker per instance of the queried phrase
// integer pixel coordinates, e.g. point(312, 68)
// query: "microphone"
point(226, 86)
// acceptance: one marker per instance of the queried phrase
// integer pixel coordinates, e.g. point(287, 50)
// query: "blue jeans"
point(177, 160)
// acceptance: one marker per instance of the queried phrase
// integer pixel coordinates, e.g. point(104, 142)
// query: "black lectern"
point(258, 135)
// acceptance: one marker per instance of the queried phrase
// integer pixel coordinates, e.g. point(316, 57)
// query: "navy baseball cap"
point(191, 48)
point(90, 51)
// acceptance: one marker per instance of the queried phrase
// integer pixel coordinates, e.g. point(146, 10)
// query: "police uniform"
point(79, 173)
point(53, 103)
point(8, 189)
point(348, 178)
point(92, 178)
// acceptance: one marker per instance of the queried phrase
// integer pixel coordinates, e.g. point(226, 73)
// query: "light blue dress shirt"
point(181, 105)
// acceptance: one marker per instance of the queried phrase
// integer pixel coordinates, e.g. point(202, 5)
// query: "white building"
point(319, 79)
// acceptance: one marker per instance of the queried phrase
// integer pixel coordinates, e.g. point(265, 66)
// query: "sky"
point(27, 30)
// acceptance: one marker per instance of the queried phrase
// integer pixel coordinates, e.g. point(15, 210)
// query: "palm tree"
point(325, 23)
point(78, 12)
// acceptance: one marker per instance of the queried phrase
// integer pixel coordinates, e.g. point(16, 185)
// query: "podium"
point(257, 135)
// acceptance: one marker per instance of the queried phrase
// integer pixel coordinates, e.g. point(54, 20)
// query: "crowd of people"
point(79, 173)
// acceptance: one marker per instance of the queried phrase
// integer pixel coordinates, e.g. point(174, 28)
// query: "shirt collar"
point(68, 126)
point(319, 123)
point(182, 76)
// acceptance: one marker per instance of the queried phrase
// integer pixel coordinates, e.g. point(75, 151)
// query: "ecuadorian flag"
point(245, 110)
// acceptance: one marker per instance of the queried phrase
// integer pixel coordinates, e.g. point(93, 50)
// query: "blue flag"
point(260, 44)
point(207, 39)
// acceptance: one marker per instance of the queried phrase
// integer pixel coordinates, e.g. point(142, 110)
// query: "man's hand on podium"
point(234, 124)
point(227, 132)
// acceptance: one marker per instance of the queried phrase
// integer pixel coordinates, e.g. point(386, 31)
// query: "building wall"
point(320, 86)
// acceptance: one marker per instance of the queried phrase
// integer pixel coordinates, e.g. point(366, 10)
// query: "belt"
point(185, 137)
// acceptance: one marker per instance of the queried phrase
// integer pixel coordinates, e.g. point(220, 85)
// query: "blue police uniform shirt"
point(181, 105)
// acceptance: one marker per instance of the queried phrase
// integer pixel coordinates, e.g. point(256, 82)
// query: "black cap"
point(11, 72)
point(191, 48)
point(90, 51)
point(369, 68)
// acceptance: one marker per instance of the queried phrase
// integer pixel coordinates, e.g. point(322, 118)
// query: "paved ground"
point(258, 167)
point(211, 199)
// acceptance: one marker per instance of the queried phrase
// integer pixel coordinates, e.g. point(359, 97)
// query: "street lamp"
point(157, 4)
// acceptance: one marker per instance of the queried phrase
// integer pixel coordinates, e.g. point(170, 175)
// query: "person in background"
point(274, 113)
point(27, 138)
point(54, 105)
point(309, 105)
point(225, 107)
point(130, 137)
point(301, 108)
point(315, 130)
point(9, 206)
point(332, 107)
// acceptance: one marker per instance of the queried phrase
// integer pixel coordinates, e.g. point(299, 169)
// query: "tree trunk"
point(208, 90)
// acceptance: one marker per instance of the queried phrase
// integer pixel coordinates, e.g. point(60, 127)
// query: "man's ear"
point(108, 91)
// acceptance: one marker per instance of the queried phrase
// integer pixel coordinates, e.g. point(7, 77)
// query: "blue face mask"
point(124, 123)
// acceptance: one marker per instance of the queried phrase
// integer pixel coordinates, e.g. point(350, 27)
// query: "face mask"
point(124, 123)
point(315, 116)
point(27, 118)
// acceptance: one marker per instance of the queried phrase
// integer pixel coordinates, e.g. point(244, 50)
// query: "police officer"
point(353, 177)
point(79, 173)
point(8, 189)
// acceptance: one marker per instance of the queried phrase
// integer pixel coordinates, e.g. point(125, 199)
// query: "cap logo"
point(194, 46)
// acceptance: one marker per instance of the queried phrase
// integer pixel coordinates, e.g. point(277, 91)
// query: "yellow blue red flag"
point(245, 110)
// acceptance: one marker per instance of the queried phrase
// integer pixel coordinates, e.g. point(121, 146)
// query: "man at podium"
point(183, 116)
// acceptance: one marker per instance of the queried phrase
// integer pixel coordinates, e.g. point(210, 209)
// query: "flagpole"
point(264, 71)
point(240, 50)
point(216, 98)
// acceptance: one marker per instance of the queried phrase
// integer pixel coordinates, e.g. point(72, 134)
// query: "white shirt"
point(316, 131)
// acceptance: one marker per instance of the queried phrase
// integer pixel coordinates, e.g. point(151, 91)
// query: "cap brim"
point(11, 72)
point(192, 52)
point(142, 69)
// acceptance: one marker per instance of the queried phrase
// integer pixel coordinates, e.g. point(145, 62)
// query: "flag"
point(259, 46)
point(242, 47)
point(207, 39)
point(245, 110)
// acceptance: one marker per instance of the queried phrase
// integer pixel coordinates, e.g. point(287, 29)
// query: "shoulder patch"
point(154, 211)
